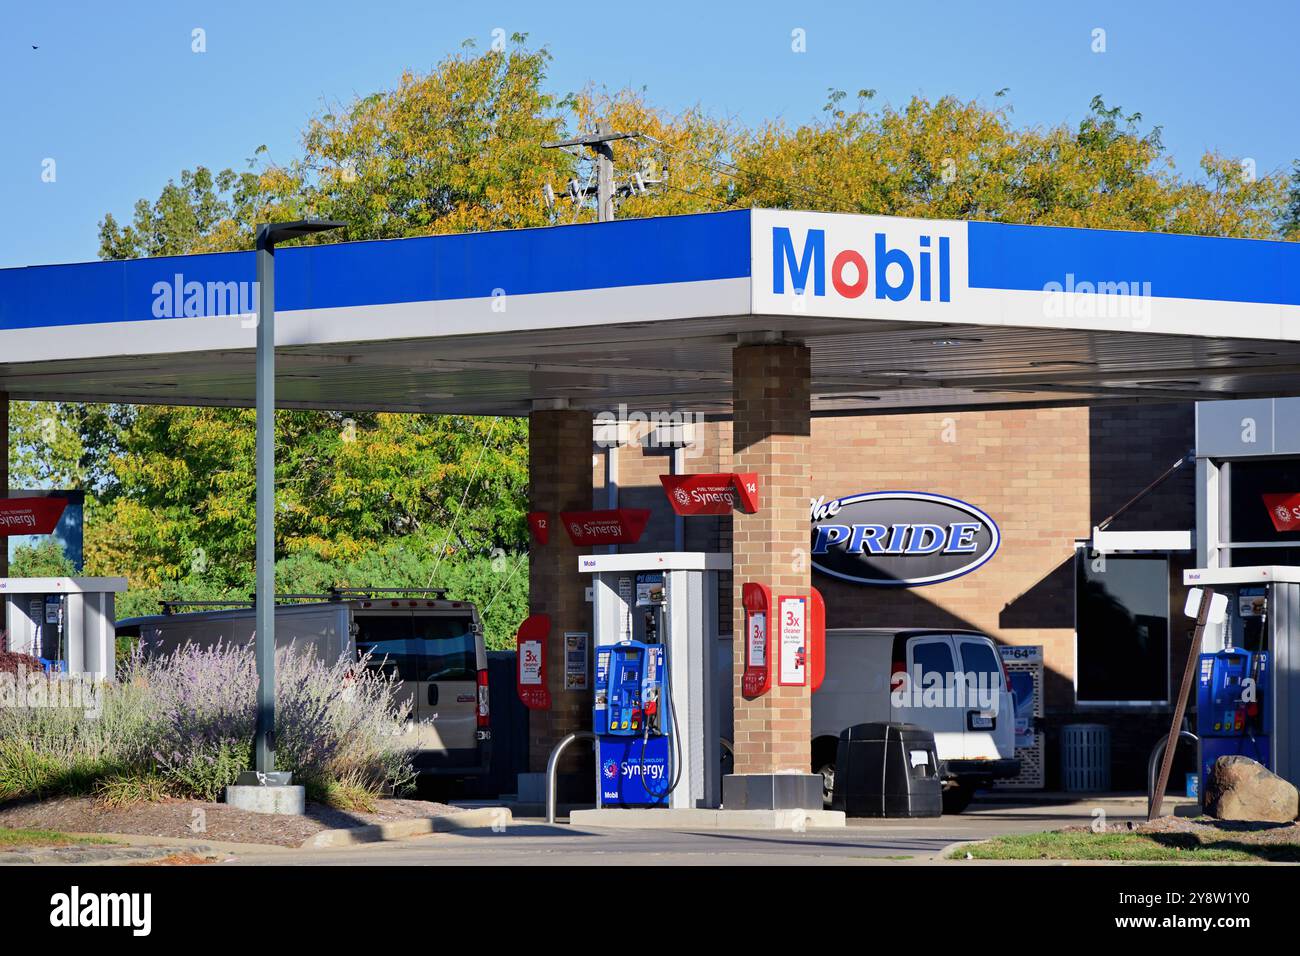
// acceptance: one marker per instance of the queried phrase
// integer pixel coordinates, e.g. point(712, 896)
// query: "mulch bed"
point(1208, 830)
point(193, 819)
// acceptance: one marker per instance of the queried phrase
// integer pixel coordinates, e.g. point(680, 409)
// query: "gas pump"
point(636, 760)
point(66, 623)
point(1231, 707)
point(1248, 684)
point(53, 654)
point(655, 712)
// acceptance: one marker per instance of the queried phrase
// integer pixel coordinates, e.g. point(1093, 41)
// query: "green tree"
point(44, 559)
point(373, 499)
point(961, 160)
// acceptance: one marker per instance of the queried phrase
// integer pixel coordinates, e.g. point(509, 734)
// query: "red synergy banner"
point(712, 494)
point(30, 515)
point(611, 526)
point(540, 523)
point(1284, 509)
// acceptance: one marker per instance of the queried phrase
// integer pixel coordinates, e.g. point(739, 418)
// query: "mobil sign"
point(900, 538)
point(857, 266)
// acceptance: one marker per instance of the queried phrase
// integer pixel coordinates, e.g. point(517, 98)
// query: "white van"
point(434, 647)
point(951, 682)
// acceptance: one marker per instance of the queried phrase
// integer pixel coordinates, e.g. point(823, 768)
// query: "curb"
point(949, 852)
point(103, 855)
point(494, 817)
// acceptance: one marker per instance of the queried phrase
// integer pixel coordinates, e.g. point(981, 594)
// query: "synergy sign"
point(857, 266)
point(900, 538)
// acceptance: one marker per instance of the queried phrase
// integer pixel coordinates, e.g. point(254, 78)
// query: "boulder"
point(1243, 789)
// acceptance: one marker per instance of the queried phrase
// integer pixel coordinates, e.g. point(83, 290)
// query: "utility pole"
point(604, 177)
point(607, 188)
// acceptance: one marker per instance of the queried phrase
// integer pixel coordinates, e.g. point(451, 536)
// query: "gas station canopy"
point(898, 314)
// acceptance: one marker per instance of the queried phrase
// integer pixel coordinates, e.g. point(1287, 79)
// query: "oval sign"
point(900, 538)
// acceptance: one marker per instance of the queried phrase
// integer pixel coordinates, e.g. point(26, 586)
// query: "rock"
point(1243, 789)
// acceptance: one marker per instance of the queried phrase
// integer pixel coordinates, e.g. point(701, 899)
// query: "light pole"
point(268, 234)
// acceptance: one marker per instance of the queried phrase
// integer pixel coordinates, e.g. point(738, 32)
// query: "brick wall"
point(1046, 476)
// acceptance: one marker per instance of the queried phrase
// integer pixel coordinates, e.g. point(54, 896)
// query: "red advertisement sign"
point(611, 526)
point(1284, 510)
point(757, 678)
point(711, 494)
point(540, 523)
point(30, 515)
point(530, 675)
point(816, 639)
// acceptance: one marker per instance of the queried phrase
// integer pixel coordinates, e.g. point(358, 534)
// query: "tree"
point(370, 499)
point(955, 160)
point(45, 559)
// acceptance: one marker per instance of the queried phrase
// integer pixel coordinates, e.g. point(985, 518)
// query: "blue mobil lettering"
point(925, 270)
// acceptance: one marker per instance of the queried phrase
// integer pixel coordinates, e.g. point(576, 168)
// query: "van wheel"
point(958, 798)
point(827, 772)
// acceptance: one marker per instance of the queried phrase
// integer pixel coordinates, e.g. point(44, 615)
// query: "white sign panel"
point(575, 660)
point(530, 663)
point(794, 657)
point(757, 639)
point(859, 267)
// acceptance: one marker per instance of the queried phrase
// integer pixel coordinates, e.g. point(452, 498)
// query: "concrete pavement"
point(531, 842)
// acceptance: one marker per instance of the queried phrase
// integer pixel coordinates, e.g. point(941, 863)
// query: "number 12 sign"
point(794, 641)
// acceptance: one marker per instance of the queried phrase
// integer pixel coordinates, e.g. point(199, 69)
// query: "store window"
point(1122, 629)
point(1252, 534)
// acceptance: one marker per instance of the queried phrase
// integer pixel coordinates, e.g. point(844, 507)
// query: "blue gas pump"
point(632, 725)
point(1232, 715)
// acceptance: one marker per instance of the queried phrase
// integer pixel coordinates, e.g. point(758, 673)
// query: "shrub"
point(11, 661)
point(124, 789)
point(182, 725)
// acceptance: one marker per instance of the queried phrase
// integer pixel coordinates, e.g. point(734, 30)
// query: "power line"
point(737, 173)
point(461, 507)
point(519, 562)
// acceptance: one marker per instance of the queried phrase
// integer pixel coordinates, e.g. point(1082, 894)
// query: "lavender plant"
point(183, 725)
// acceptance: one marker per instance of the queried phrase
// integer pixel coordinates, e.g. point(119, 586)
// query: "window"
point(1122, 629)
point(448, 648)
point(388, 640)
point(933, 656)
point(1248, 518)
point(977, 658)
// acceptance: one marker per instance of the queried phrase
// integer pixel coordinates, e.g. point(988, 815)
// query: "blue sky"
point(117, 99)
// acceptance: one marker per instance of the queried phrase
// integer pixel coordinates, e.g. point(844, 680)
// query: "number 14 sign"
point(793, 641)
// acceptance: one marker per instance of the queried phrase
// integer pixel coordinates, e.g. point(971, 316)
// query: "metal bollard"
point(553, 761)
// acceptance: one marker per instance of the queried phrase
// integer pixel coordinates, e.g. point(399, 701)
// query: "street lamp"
point(268, 234)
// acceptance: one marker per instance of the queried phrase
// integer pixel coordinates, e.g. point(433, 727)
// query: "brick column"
point(771, 436)
point(559, 479)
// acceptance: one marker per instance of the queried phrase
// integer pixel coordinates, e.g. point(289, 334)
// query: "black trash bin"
point(887, 770)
